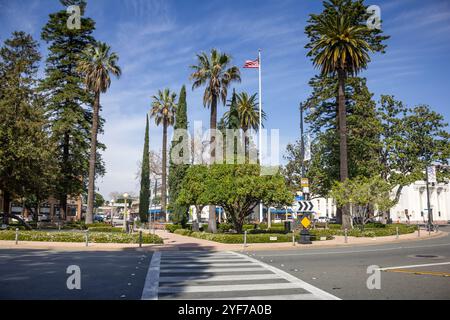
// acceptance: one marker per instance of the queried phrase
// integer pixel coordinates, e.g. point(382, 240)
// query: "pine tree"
point(144, 198)
point(177, 172)
point(26, 153)
point(68, 101)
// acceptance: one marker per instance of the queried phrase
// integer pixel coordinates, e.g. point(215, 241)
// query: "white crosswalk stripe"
point(223, 276)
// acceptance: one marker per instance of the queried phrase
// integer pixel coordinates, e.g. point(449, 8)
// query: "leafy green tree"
point(364, 195)
point(193, 190)
point(68, 102)
point(96, 64)
point(364, 130)
point(238, 189)
point(163, 110)
point(177, 172)
point(340, 43)
point(215, 73)
point(99, 200)
point(144, 197)
point(26, 152)
point(412, 139)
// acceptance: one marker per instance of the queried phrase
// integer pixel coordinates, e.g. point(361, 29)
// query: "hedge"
point(106, 229)
point(78, 237)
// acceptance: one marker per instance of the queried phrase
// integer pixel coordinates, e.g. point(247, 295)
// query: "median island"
point(276, 234)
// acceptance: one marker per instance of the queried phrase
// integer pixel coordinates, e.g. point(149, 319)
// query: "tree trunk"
point(343, 153)
point(212, 225)
point(93, 160)
point(164, 172)
point(6, 205)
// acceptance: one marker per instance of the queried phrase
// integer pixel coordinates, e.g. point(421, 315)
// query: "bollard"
point(59, 226)
point(398, 235)
point(346, 235)
point(245, 239)
point(87, 238)
point(17, 236)
point(140, 239)
point(293, 239)
point(418, 231)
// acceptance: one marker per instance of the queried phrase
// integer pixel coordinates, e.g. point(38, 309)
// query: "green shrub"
point(173, 227)
point(183, 232)
point(78, 237)
point(106, 229)
point(225, 227)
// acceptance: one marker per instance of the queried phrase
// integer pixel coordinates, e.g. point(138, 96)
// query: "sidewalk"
point(174, 242)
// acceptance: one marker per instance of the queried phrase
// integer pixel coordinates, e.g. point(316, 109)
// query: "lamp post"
point(125, 214)
point(112, 213)
point(430, 210)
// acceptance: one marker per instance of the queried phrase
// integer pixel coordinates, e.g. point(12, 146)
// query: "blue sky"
point(157, 41)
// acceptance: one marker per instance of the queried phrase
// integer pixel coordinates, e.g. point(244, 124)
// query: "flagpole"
point(261, 216)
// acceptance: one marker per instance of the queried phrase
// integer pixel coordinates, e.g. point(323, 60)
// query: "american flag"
point(252, 64)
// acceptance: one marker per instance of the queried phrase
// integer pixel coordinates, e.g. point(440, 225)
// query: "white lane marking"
point(170, 261)
point(230, 288)
point(288, 297)
point(314, 290)
point(415, 266)
point(353, 251)
point(212, 265)
point(151, 286)
point(221, 278)
point(211, 270)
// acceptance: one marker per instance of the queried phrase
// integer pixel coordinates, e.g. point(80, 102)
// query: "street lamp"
point(112, 213)
point(125, 197)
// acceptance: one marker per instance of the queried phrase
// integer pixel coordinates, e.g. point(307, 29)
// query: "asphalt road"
point(343, 272)
point(303, 274)
point(41, 274)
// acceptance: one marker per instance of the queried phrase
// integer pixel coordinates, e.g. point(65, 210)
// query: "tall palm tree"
point(163, 110)
point(248, 114)
point(214, 72)
point(96, 63)
point(340, 48)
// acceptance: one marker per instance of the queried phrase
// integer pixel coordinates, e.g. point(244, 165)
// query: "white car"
point(323, 219)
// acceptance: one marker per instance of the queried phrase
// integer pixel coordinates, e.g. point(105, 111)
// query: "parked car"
point(323, 219)
point(99, 218)
point(332, 221)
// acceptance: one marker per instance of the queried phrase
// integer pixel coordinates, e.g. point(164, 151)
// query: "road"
point(309, 274)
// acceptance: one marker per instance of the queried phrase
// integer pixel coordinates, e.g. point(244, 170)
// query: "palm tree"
point(163, 110)
point(96, 64)
point(214, 72)
point(340, 48)
point(248, 115)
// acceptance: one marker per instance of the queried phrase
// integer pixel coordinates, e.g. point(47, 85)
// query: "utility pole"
point(302, 139)
point(430, 211)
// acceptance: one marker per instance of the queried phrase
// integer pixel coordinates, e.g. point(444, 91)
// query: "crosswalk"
point(198, 275)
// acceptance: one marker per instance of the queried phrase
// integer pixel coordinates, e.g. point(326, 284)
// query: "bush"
point(183, 232)
point(239, 238)
point(173, 227)
point(79, 237)
point(106, 229)
point(225, 227)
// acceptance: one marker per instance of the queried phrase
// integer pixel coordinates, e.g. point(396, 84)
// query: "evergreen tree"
point(177, 172)
point(68, 102)
point(364, 130)
point(144, 198)
point(26, 153)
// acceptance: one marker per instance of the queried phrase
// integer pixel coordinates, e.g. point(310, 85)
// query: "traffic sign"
point(306, 222)
point(305, 183)
point(306, 206)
